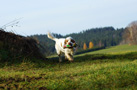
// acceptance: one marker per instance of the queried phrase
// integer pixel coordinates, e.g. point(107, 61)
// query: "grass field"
point(111, 68)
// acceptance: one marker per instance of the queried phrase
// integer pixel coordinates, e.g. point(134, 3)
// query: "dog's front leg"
point(69, 57)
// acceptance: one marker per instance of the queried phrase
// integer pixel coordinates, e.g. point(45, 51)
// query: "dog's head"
point(71, 42)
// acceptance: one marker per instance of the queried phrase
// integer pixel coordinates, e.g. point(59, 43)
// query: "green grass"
point(111, 68)
point(120, 49)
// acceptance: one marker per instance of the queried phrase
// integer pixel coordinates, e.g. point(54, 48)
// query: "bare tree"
point(11, 24)
point(130, 34)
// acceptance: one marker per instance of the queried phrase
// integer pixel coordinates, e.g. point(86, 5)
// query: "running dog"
point(64, 45)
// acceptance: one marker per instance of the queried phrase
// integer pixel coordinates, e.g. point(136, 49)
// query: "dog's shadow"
point(56, 60)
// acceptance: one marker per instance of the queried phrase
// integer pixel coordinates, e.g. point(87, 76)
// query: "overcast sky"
point(66, 16)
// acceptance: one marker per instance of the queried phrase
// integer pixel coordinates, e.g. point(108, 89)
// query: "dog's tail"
point(51, 36)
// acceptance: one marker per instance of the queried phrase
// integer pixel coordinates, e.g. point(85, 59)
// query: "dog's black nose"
point(70, 44)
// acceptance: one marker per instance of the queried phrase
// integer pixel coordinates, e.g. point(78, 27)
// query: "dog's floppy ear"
point(73, 41)
point(66, 41)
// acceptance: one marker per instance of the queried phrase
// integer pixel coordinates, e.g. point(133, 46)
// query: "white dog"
point(64, 45)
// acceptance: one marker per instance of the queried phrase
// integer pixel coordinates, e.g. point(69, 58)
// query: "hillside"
point(106, 36)
point(99, 70)
point(14, 47)
point(119, 49)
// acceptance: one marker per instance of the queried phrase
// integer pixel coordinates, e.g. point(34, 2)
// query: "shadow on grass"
point(90, 57)
point(39, 63)
point(127, 56)
point(89, 50)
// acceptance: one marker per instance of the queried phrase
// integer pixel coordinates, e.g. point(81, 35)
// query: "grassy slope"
point(112, 68)
point(121, 49)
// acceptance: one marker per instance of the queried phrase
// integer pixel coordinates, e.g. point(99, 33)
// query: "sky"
point(65, 16)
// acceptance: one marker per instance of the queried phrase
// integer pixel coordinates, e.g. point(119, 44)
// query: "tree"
point(130, 34)
point(90, 45)
point(84, 46)
point(100, 43)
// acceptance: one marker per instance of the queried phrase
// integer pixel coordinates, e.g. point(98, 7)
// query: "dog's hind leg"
point(66, 57)
point(60, 58)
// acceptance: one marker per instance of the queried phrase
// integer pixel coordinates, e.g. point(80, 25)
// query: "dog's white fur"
point(59, 46)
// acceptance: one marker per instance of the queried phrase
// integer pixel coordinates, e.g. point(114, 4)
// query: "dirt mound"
point(19, 45)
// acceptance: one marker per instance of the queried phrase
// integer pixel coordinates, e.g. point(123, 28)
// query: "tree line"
point(99, 37)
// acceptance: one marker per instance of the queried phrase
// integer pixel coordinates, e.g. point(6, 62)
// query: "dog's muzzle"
point(70, 45)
